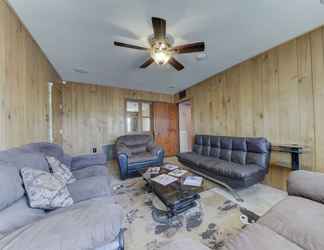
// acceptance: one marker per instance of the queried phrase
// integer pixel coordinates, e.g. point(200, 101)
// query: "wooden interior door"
point(166, 132)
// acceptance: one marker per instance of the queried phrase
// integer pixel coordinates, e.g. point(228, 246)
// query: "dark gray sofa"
point(93, 222)
point(135, 152)
point(236, 161)
point(295, 223)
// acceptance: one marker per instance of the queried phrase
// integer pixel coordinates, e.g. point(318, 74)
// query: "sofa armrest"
point(306, 184)
point(82, 161)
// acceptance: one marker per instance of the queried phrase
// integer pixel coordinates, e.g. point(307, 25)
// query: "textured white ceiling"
point(80, 34)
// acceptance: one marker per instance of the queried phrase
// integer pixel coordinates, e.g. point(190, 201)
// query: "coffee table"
point(176, 197)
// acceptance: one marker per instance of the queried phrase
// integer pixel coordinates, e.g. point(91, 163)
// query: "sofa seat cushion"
point(18, 215)
point(96, 170)
point(88, 188)
point(209, 162)
point(299, 220)
point(139, 158)
point(193, 157)
point(258, 237)
point(86, 225)
point(233, 170)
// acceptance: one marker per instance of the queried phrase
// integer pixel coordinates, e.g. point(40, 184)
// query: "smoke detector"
point(203, 56)
point(80, 71)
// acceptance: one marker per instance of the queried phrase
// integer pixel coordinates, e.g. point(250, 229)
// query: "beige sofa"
point(295, 223)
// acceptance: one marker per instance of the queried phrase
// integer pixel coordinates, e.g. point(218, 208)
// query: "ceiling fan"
point(161, 50)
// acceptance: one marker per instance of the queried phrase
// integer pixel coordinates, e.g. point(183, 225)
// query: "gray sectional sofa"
point(295, 223)
point(236, 161)
point(93, 222)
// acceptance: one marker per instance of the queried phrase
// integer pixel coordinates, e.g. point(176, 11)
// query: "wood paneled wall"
point(278, 94)
point(24, 74)
point(95, 115)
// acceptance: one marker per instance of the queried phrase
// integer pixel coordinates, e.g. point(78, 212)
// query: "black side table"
point(295, 151)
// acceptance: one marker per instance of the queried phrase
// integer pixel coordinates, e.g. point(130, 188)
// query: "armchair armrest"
point(155, 149)
point(306, 184)
point(122, 149)
point(122, 160)
point(83, 161)
point(123, 153)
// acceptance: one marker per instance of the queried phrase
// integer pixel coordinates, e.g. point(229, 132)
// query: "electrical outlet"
point(94, 150)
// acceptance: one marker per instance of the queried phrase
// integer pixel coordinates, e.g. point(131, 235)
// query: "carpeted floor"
point(215, 218)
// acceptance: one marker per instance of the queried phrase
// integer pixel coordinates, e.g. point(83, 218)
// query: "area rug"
point(211, 222)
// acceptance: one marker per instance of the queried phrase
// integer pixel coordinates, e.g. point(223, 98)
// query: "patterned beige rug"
point(212, 221)
point(216, 217)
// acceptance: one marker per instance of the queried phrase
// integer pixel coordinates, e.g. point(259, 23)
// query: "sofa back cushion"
point(20, 158)
point(306, 184)
point(240, 150)
point(11, 188)
point(136, 144)
point(48, 149)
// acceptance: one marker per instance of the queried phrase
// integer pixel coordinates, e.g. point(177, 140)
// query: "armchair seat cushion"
point(142, 157)
point(96, 170)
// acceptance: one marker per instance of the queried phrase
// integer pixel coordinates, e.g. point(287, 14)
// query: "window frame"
point(140, 116)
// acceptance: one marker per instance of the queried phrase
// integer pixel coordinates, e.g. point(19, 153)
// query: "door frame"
point(178, 103)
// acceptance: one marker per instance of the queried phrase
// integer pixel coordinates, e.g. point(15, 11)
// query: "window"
point(138, 116)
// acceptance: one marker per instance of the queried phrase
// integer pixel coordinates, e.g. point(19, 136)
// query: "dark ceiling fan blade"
point(147, 63)
point(159, 26)
point(130, 46)
point(177, 65)
point(189, 48)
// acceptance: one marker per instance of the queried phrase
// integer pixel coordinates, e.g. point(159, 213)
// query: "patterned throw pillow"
point(59, 170)
point(44, 190)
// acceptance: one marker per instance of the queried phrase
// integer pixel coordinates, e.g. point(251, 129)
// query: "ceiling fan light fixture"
point(162, 49)
point(160, 56)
